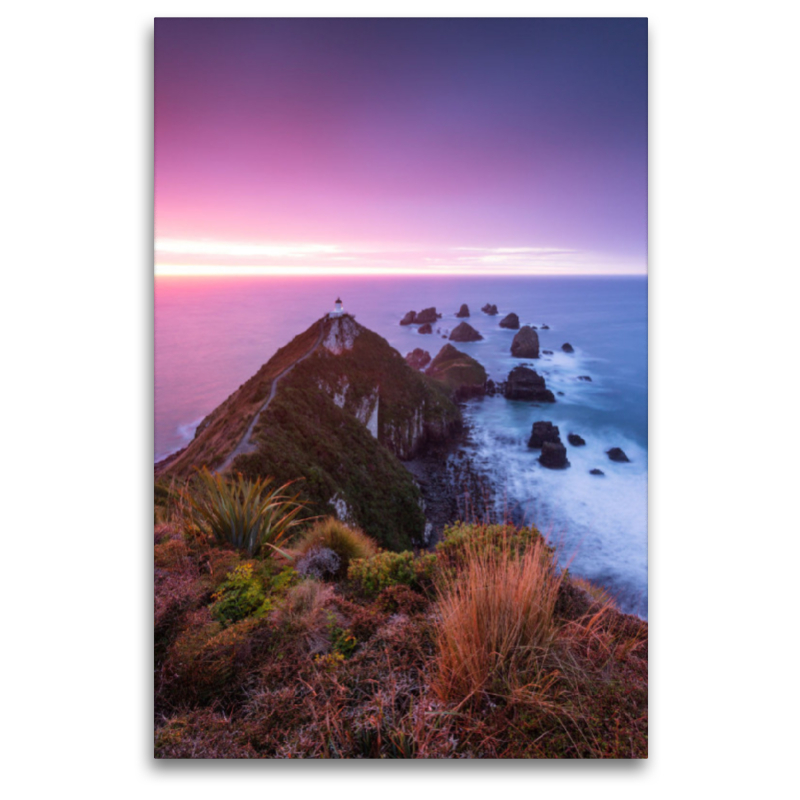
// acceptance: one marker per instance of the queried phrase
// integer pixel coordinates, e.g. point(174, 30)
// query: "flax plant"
point(250, 515)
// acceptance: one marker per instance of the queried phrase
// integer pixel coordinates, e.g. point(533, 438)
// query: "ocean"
point(212, 333)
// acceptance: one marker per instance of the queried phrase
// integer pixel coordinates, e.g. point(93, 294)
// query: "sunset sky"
point(469, 146)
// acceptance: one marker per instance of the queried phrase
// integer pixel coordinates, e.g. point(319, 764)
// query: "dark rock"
point(554, 456)
point(490, 308)
point(463, 311)
point(443, 336)
point(426, 315)
point(545, 327)
point(575, 440)
point(543, 432)
point(491, 387)
point(510, 321)
point(617, 454)
point(426, 328)
point(547, 352)
point(596, 471)
point(525, 344)
point(534, 328)
point(584, 378)
point(560, 394)
point(567, 347)
point(409, 318)
point(525, 384)
point(418, 358)
point(464, 332)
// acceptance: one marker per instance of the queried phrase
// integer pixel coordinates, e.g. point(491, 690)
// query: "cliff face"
point(338, 416)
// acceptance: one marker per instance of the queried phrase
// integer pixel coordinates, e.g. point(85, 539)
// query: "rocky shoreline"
point(453, 488)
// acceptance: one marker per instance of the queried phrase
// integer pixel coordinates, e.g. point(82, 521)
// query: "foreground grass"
point(482, 650)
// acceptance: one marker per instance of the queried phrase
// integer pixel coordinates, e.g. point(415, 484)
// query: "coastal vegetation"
point(481, 647)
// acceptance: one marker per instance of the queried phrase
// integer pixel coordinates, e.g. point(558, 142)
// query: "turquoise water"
point(214, 333)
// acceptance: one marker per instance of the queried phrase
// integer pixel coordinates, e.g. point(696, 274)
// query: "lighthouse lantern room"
point(338, 308)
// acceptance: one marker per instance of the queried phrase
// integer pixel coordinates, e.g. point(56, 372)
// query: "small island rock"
point(426, 315)
point(526, 384)
point(526, 343)
point(464, 332)
point(584, 378)
point(490, 308)
point(567, 347)
point(617, 454)
point(463, 311)
point(426, 328)
point(418, 358)
point(510, 321)
point(543, 432)
point(554, 456)
point(545, 327)
point(596, 471)
point(575, 440)
point(409, 318)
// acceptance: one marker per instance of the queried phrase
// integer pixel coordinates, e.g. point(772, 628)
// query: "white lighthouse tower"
point(338, 308)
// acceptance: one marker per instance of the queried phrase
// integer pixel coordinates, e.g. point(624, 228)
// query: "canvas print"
point(401, 380)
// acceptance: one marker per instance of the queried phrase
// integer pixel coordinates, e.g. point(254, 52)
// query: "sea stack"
point(526, 343)
point(463, 311)
point(464, 332)
point(510, 321)
point(490, 309)
point(525, 384)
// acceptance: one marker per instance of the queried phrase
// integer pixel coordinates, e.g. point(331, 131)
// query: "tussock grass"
point(347, 542)
point(496, 621)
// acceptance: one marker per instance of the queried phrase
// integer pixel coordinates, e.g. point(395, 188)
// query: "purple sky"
point(346, 145)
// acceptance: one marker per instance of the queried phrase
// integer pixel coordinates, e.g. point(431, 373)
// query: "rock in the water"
point(584, 378)
point(510, 321)
point(462, 375)
point(567, 347)
point(554, 456)
point(533, 327)
point(543, 432)
point(426, 328)
point(418, 358)
point(545, 327)
point(463, 311)
point(547, 352)
point(464, 332)
point(617, 454)
point(526, 343)
point(560, 394)
point(575, 440)
point(409, 318)
point(490, 308)
point(596, 471)
point(491, 387)
point(525, 384)
point(426, 315)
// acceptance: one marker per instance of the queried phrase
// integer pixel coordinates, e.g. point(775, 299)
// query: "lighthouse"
point(338, 308)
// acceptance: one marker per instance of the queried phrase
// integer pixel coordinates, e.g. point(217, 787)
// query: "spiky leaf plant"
point(249, 514)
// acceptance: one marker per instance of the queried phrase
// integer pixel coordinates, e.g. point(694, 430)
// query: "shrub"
point(319, 563)
point(347, 542)
point(373, 575)
point(462, 540)
point(496, 620)
point(248, 514)
point(241, 595)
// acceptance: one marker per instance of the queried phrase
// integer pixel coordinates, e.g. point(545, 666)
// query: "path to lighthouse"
point(245, 445)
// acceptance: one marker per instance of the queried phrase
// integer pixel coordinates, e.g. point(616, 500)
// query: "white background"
point(77, 413)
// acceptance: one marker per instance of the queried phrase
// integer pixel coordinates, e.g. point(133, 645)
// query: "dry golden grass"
point(496, 622)
point(346, 541)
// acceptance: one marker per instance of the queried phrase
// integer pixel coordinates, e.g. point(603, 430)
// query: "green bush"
point(240, 596)
point(462, 539)
point(347, 542)
point(373, 575)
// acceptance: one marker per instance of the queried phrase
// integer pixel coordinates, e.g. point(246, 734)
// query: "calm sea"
point(211, 334)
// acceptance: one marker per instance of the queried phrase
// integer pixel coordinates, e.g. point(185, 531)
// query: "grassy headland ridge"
point(339, 421)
